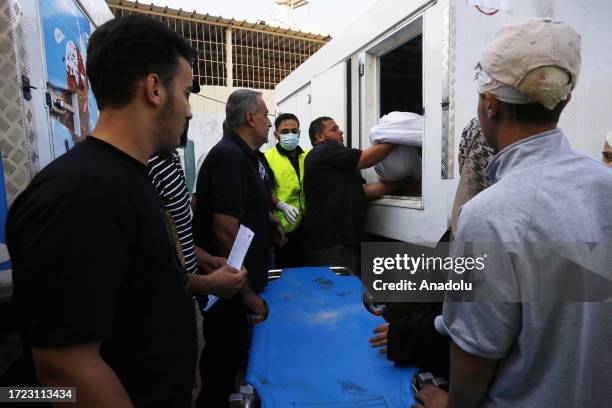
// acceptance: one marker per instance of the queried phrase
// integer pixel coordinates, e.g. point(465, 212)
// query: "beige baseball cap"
point(540, 58)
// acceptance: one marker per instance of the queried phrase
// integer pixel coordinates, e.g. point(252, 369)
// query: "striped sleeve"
point(169, 182)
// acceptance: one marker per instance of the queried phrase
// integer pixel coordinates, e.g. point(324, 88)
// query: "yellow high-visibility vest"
point(288, 186)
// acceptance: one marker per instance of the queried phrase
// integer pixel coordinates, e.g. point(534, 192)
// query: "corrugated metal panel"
point(18, 141)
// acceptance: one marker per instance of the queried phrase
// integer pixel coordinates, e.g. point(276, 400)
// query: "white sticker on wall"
point(59, 36)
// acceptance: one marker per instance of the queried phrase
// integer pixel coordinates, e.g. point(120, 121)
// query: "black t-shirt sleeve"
point(69, 258)
point(229, 187)
point(340, 157)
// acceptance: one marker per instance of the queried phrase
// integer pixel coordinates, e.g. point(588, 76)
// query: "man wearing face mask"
point(286, 160)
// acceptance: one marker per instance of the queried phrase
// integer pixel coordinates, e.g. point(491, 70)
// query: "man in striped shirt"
point(169, 182)
point(219, 279)
point(167, 177)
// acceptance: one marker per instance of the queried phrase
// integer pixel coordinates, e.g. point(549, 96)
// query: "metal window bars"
point(260, 59)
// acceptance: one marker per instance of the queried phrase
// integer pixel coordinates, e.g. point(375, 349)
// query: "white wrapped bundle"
point(406, 130)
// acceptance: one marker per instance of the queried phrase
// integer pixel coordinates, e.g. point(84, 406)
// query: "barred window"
point(260, 59)
point(208, 40)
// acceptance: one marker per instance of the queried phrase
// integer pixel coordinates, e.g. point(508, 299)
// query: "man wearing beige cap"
point(607, 150)
point(512, 349)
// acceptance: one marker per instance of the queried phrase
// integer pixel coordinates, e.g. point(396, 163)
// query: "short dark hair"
point(124, 50)
point(283, 117)
point(535, 113)
point(317, 126)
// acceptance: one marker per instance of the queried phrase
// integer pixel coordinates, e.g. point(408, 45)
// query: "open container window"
point(400, 83)
point(401, 78)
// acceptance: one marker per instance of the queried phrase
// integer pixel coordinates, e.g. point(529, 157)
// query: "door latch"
point(26, 87)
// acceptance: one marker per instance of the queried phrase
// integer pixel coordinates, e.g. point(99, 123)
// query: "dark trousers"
point(290, 256)
point(338, 255)
point(225, 330)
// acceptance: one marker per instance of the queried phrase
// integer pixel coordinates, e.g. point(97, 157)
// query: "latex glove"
point(290, 212)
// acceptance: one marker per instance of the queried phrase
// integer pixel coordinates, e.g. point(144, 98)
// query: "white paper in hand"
point(212, 299)
point(236, 257)
point(240, 247)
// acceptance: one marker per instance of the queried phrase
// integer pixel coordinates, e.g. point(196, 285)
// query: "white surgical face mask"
point(289, 141)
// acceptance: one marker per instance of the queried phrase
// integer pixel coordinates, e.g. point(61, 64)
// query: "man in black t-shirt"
point(336, 196)
point(99, 286)
point(232, 190)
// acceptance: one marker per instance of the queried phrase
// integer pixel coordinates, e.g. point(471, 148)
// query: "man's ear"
point(319, 138)
point(154, 90)
point(250, 121)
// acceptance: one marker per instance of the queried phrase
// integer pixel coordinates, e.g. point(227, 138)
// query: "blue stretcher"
point(312, 351)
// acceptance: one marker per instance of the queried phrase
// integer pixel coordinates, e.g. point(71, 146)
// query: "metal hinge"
point(361, 69)
point(26, 87)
